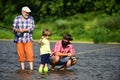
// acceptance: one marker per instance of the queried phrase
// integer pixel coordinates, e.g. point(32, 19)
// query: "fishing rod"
point(3, 27)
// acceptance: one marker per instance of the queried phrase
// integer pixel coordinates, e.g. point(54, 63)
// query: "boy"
point(44, 51)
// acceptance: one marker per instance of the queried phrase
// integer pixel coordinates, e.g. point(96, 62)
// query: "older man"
point(23, 27)
point(63, 53)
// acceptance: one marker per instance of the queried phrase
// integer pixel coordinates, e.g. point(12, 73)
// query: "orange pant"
point(25, 51)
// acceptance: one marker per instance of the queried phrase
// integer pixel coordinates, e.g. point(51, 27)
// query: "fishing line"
point(98, 50)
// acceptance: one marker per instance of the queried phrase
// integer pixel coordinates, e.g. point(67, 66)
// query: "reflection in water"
point(60, 75)
point(57, 75)
point(23, 75)
point(51, 75)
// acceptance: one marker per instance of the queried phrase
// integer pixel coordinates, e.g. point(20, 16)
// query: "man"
point(23, 26)
point(63, 53)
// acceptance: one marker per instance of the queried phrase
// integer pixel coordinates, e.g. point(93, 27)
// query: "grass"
point(82, 27)
point(6, 34)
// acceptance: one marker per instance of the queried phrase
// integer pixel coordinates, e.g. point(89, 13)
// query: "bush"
point(114, 36)
point(107, 29)
point(100, 35)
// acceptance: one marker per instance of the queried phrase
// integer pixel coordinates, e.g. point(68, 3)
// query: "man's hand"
point(15, 30)
point(23, 30)
point(69, 54)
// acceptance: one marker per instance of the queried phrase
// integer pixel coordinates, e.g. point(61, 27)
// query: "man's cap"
point(26, 9)
point(67, 37)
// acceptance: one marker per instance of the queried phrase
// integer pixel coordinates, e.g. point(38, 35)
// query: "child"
point(44, 50)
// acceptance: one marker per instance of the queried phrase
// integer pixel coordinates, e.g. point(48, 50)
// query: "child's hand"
point(42, 37)
point(40, 41)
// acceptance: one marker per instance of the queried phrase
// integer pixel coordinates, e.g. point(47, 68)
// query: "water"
point(94, 62)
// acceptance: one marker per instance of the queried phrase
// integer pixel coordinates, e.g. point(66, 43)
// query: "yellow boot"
point(40, 70)
point(45, 69)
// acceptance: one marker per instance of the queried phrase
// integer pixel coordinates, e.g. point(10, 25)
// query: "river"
point(94, 62)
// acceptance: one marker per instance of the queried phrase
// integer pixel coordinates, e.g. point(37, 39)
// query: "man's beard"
point(26, 17)
point(64, 44)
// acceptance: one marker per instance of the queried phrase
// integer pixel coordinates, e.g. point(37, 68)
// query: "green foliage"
point(100, 35)
point(107, 29)
point(6, 34)
point(112, 23)
point(8, 19)
point(79, 26)
point(84, 19)
point(114, 36)
point(56, 8)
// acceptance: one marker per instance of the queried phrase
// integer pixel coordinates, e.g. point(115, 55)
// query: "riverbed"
point(94, 62)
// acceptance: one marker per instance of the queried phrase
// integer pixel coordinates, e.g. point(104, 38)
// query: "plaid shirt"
point(59, 48)
point(20, 24)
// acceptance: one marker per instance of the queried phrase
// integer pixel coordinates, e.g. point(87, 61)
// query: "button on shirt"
point(59, 48)
point(20, 24)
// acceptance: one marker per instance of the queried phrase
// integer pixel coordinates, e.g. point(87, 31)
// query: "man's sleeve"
point(72, 50)
point(56, 48)
point(31, 27)
point(15, 23)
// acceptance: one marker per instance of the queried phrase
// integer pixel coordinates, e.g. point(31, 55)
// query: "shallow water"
point(94, 62)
